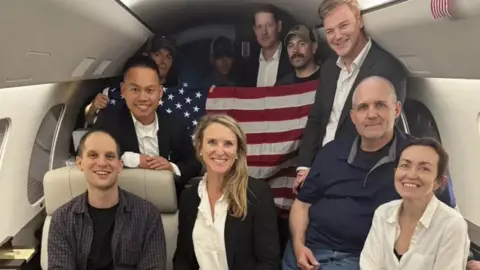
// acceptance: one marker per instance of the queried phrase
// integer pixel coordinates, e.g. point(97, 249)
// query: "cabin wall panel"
point(455, 105)
point(25, 107)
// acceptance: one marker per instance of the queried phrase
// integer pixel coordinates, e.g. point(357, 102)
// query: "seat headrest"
point(158, 187)
point(77, 136)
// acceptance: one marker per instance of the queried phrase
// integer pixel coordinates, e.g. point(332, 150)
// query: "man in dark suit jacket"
point(270, 63)
point(149, 139)
point(358, 58)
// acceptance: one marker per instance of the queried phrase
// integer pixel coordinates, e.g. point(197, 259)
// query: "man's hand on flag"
point(211, 88)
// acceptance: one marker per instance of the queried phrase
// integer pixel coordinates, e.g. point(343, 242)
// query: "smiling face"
point(99, 160)
point(142, 92)
point(343, 28)
point(219, 148)
point(301, 52)
point(416, 176)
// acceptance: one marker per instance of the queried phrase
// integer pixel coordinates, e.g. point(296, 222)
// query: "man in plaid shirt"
point(105, 227)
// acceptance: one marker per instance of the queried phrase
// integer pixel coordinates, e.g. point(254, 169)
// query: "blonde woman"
point(417, 232)
point(227, 221)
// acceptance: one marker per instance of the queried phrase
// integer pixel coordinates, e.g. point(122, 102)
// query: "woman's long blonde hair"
point(235, 181)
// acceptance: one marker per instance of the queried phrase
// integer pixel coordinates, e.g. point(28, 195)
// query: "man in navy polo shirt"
point(331, 217)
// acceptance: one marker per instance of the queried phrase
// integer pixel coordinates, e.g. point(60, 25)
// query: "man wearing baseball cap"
point(302, 44)
point(162, 50)
point(222, 57)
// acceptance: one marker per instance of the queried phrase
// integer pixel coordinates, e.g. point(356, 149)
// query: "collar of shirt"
point(81, 206)
point(360, 57)
point(143, 131)
point(426, 218)
point(202, 188)
point(276, 55)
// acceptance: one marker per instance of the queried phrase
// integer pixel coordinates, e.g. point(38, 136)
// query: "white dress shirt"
point(209, 231)
point(147, 144)
point(268, 69)
point(344, 86)
point(440, 240)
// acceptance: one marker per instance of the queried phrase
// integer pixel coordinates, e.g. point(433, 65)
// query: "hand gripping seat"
point(158, 187)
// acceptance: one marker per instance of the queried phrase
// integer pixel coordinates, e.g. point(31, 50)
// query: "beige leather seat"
point(158, 187)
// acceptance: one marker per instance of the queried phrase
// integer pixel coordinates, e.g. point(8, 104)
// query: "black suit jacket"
point(252, 65)
point(251, 243)
point(377, 63)
point(174, 142)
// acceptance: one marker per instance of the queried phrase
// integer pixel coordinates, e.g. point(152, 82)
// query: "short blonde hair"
point(328, 6)
point(236, 179)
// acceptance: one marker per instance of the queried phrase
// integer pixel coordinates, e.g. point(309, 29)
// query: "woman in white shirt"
point(228, 220)
point(418, 231)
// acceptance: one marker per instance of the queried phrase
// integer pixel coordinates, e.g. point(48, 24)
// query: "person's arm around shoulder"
point(265, 229)
point(454, 246)
point(371, 257)
point(154, 249)
point(181, 260)
point(61, 253)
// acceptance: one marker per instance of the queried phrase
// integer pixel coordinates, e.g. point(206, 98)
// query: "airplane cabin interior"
point(56, 55)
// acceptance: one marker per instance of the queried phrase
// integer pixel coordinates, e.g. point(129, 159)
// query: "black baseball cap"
point(161, 42)
point(222, 47)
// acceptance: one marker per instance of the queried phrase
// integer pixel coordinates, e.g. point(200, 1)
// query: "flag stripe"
point(270, 160)
point(268, 171)
point(274, 137)
point(279, 114)
point(276, 126)
point(282, 182)
point(247, 93)
point(223, 105)
point(440, 8)
point(273, 118)
point(283, 193)
point(272, 149)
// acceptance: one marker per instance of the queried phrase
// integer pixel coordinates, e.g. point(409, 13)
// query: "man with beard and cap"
point(162, 50)
point(301, 45)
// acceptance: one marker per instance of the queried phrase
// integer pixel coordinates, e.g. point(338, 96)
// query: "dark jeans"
point(328, 259)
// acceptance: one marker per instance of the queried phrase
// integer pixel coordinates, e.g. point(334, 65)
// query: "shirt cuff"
point(176, 170)
point(302, 168)
point(131, 159)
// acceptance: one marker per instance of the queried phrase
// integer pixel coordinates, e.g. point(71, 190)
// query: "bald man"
point(332, 215)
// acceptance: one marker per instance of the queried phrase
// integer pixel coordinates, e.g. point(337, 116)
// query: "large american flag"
point(273, 119)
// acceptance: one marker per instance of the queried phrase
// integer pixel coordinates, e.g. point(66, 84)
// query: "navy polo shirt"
point(344, 189)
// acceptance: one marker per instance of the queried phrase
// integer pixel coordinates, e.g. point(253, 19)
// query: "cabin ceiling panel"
point(438, 48)
point(46, 41)
point(168, 16)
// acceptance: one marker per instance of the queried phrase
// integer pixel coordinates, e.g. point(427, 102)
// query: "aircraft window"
point(4, 123)
point(40, 160)
point(420, 120)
